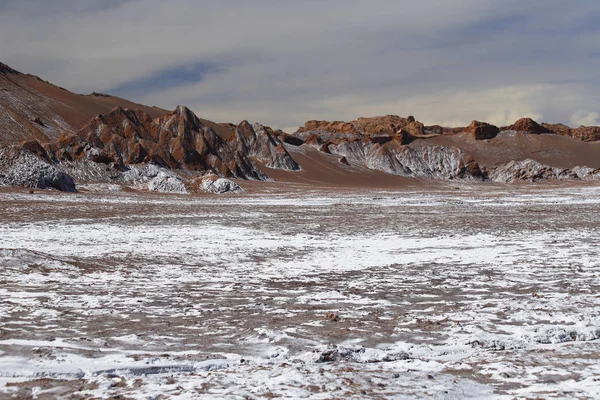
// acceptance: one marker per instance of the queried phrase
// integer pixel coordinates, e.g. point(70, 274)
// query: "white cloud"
point(581, 117)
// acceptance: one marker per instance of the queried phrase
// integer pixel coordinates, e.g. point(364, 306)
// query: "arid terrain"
point(441, 291)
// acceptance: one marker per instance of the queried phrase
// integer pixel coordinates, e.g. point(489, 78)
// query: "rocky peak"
point(124, 123)
point(245, 129)
point(528, 125)
point(179, 121)
point(260, 142)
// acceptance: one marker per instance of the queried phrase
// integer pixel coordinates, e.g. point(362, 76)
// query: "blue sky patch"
point(182, 75)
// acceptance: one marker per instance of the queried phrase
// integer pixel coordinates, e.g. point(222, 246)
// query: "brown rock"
point(332, 317)
point(289, 139)
point(137, 154)
point(381, 139)
point(587, 133)
point(482, 130)
point(176, 140)
point(387, 125)
point(325, 148)
point(335, 126)
point(33, 146)
point(583, 133)
point(313, 140)
point(528, 125)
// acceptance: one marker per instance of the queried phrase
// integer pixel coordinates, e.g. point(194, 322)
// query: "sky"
point(283, 62)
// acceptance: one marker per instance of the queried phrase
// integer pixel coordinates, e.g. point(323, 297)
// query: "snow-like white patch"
point(154, 178)
point(452, 294)
point(214, 184)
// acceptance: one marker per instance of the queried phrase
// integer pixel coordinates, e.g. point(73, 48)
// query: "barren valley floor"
point(468, 292)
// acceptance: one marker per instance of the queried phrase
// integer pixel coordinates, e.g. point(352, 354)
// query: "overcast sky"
point(282, 62)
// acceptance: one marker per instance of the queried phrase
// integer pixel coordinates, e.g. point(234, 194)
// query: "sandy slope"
point(325, 170)
point(24, 98)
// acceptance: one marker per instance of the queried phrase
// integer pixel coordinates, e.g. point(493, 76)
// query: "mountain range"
point(51, 137)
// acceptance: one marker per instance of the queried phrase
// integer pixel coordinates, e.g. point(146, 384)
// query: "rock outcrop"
point(260, 142)
point(482, 130)
point(532, 171)
point(389, 125)
point(583, 133)
point(438, 162)
point(178, 140)
point(289, 139)
point(166, 183)
point(154, 178)
point(214, 184)
point(19, 167)
point(529, 126)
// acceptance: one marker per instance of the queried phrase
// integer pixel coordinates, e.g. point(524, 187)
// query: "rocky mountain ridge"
point(177, 151)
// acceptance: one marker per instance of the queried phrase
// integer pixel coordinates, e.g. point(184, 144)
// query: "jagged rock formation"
point(260, 142)
point(176, 140)
point(19, 167)
point(532, 171)
point(134, 149)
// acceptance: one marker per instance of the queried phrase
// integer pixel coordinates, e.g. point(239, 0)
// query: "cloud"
point(581, 117)
point(283, 62)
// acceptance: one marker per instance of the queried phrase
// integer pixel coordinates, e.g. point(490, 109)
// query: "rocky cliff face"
point(196, 146)
point(389, 125)
point(438, 162)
